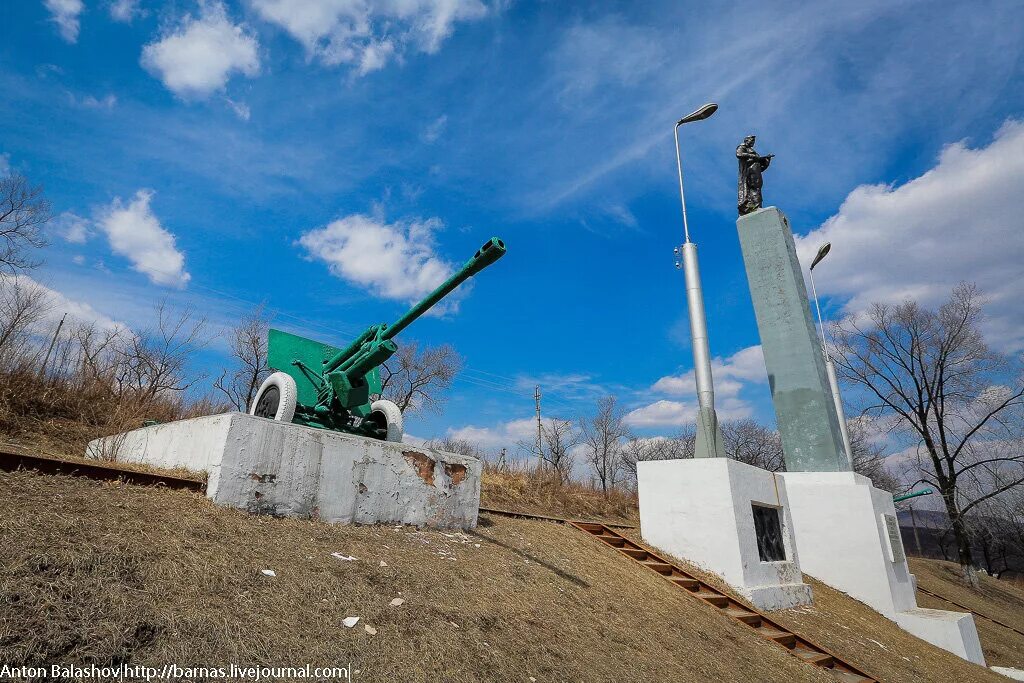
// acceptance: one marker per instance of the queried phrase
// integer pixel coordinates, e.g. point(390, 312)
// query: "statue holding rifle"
point(751, 165)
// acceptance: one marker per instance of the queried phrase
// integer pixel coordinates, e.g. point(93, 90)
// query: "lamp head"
point(822, 253)
point(704, 112)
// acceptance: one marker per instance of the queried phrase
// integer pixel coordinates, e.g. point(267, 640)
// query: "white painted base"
point(843, 541)
point(1009, 672)
point(285, 469)
point(700, 510)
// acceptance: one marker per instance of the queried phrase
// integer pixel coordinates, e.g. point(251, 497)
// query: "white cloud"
point(135, 233)
point(746, 365)
point(200, 56)
point(57, 305)
point(123, 10)
point(666, 413)
point(433, 131)
point(732, 376)
point(72, 227)
point(368, 35)
point(392, 260)
point(958, 221)
point(241, 109)
point(506, 434)
point(106, 102)
point(65, 13)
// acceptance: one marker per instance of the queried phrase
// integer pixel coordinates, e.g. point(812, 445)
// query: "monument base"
point(847, 537)
point(703, 511)
point(284, 469)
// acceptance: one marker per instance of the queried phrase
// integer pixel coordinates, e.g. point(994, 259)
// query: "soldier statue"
point(751, 167)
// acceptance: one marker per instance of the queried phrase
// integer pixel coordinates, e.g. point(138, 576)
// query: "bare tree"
point(450, 444)
point(869, 456)
point(751, 442)
point(933, 370)
point(24, 211)
point(604, 436)
point(676, 447)
point(249, 353)
point(155, 362)
point(417, 380)
point(559, 437)
point(23, 304)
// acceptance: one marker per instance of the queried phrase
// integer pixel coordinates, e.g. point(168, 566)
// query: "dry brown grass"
point(1000, 600)
point(59, 415)
point(104, 573)
point(860, 635)
point(544, 494)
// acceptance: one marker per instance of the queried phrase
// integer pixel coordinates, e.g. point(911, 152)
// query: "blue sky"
point(333, 158)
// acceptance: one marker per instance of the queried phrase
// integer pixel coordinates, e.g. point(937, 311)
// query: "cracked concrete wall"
point(283, 469)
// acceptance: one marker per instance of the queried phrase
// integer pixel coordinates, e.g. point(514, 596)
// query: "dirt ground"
point(104, 573)
point(98, 572)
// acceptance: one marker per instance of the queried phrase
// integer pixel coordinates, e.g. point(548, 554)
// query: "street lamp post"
point(709, 442)
point(830, 368)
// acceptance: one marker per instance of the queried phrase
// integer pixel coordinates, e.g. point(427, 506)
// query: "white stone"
point(840, 523)
point(700, 510)
point(285, 469)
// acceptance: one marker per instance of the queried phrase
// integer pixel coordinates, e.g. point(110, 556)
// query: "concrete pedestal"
point(701, 510)
point(283, 469)
point(847, 537)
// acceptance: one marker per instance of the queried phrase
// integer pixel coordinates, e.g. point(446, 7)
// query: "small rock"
point(350, 621)
point(533, 680)
point(383, 563)
point(268, 572)
point(476, 545)
point(369, 629)
point(396, 602)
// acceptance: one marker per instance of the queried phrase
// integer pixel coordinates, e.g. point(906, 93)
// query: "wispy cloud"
point(365, 35)
point(65, 13)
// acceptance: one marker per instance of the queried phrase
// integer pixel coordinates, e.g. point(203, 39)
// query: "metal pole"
point(695, 303)
point(821, 326)
point(682, 195)
point(698, 328)
point(53, 342)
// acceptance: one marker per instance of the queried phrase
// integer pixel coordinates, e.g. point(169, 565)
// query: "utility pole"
point(53, 342)
point(540, 443)
point(917, 538)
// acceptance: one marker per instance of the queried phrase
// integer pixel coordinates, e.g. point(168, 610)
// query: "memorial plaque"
point(768, 528)
point(892, 528)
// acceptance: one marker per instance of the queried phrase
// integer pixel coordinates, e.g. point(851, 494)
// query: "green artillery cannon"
point(320, 386)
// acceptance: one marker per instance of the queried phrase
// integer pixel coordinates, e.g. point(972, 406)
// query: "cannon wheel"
point(276, 398)
point(386, 414)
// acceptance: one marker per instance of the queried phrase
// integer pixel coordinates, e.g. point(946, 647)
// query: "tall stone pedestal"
point(284, 469)
point(848, 537)
point(703, 511)
point(804, 408)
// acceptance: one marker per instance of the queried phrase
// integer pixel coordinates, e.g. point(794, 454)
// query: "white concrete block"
point(845, 539)
point(952, 631)
point(700, 510)
point(1009, 672)
point(284, 469)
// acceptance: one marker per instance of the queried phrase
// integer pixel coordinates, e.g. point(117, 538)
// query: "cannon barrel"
point(349, 359)
point(492, 250)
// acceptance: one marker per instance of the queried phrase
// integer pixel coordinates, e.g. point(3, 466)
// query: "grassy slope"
point(100, 572)
point(997, 599)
